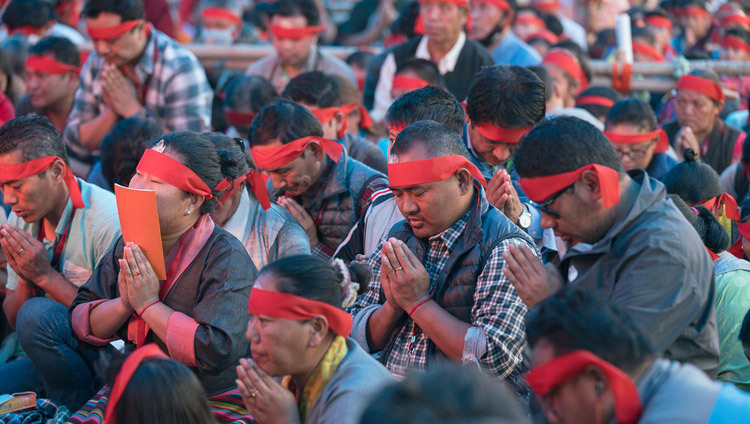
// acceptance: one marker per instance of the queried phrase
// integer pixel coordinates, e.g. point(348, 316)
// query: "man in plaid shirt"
point(437, 289)
point(135, 70)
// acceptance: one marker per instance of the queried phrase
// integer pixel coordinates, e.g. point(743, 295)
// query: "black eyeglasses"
point(544, 207)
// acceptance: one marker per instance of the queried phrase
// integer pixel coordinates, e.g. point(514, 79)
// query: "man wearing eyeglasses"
point(626, 241)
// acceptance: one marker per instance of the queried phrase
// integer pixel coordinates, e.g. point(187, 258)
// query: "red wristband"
point(31, 289)
point(147, 306)
point(417, 307)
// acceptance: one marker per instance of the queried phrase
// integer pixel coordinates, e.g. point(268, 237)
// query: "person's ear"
point(465, 181)
point(316, 150)
point(195, 201)
point(340, 120)
point(58, 171)
point(590, 181)
point(507, 19)
point(318, 330)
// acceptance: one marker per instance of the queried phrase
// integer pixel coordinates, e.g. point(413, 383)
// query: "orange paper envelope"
point(139, 222)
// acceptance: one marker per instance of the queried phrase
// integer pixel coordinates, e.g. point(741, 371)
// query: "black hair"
point(360, 58)
point(599, 111)
point(427, 103)
point(12, 64)
point(122, 148)
point(348, 92)
point(198, 154)
point(694, 181)
point(553, 23)
point(507, 96)
point(35, 136)
point(745, 329)
point(698, 3)
point(248, 92)
point(314, 278)
point(407, 17)
point(741, 33)
point(658, 12)
point(289, 8)
point(546, 78)
point(576, 319)
point(313, 88)
point(62, 49)
point(605, 39)
point(437, 139)
point(259, 15)
point(284, 120)
point(563, 144)
point(233, 161)
point(645, 33)
point(425, 69)
point(446, 393)
point(632, 111)
point(33, 13)
point(713, 235)
point(128, 10)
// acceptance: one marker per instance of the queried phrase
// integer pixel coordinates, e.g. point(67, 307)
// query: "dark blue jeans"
point(64, 363)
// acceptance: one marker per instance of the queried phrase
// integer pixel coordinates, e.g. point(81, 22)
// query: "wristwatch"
point(524, 221)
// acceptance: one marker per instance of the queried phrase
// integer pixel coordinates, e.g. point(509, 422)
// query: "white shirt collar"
point(448, 62)
point(237, 224)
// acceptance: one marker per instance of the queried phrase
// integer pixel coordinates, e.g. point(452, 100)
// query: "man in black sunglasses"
point(625, 240)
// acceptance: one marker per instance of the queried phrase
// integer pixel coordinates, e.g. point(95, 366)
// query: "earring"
point(187, 212)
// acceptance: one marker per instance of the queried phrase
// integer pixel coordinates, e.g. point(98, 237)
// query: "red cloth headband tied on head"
point(500, 4)
point(397, 127)
point(545, 35)
point(295, 33)
point(26, 30)
point(129, 367)
point(542, 188)
point(36, 167)
point(662, 145)
point(239, 118)
point(221, 13)
point(296, 308)
point(365, 119)
point(327, 114)
point(547, 6)
point(430, 170)
point(499, 134)
point(459, 3)
point(735, 19)
point(701, 85)
point(545, 378)
point(108, 33)
point(594, 100)
point(659, 22)
point(529, 19)
point(173, 172)
point(732, 42)
point(275, 157)
point(646, 50)
point(49, 65)
point(723, 203)
point(401, 82)
point(257, 186)
point(568, 63)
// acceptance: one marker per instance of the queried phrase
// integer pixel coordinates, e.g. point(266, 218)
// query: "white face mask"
point(32, 39)
point(221, 37)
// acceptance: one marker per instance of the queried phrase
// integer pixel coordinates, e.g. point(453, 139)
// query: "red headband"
point(401, 82)
point(327, 114)
point(568, 63)
point(542, 188)
point(735, 19)
point(499, 134)
point(723, 202)
point(744, 229)
point(49, 65)
point(647, 50)
point(26, 30)
point(659, 22)
point(701, 85)
point(126, 373)
point(430, 170)
point(37, 166)
point(257, 186)
point(530, 20)
point(365, 119)
point(693, 11)
point(732, 42)
point(500, 4)
point(221, 13)
point(397, 127)
point(547, 6)
point(295, 33)
point(108, 33)
point(239, 118)
point(173, 172)
point(459, 3)
point(275, 157)
point(661, 146)
point(288, 306)
point(594, 100)
point(545, 35)
point(545, 378)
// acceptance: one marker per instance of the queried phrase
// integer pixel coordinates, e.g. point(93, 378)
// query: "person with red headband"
point(542, 41)
point(312, 177)
point(643, 42)
point(35, 19)
point(414, 74)
point(437, 292)
point(221, 24)
point(618, 235)
point(570, 72)
point(58, 230)
point(698, 104)
point(194, 314)
point(598, 101)
point(423, 104)
point(528, 21)
point(660, 24)
point(320, 94)
point(358, 120)
point(294, 29)
point(304, 368)
point(490, 25)
point(732, 283)
point(52, 80)
point(631, 127)
point(572, 29)
point(592, 364)
point(134, 70)
point(735, 180)
point(695, 22)
point(735, 46)
point(444, 43)
point(242, 99)
point(267, 230)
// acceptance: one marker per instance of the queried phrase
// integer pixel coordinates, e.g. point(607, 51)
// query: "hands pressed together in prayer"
point(119, 92)
point(304, 218)
point(26, 255)
point(502, 195)
point(532, 280)
point(404, 279)
point(265, 398)
point(137, 281)
point(686, 139)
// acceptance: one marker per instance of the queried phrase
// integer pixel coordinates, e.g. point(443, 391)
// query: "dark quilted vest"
point(721, 141)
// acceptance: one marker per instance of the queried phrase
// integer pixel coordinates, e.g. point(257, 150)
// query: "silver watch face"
point(525, 220)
